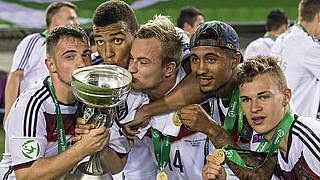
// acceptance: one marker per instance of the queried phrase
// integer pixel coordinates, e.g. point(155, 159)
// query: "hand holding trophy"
point(101, 88)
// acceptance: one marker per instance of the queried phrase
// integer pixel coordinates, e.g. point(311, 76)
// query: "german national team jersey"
point(30, 57)
point(303, 151)
point(31, 129)
point(261, 46)
point(299, 56)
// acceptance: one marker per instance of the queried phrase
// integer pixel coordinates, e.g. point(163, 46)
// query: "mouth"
point(204, 81)
point(257, 120)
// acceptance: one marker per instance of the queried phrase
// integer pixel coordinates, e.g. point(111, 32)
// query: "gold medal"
point(219, 155)
point(176, 119)
point(162, 176)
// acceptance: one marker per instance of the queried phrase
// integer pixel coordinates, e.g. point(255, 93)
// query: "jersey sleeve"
point(23, 51)
point(311, 149)
point(26, 133)
point(312, 57)
point(134, 101)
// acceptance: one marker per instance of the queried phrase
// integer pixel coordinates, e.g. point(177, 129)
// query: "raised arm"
point(197, 119)
point(11, 92)
point(186, 92)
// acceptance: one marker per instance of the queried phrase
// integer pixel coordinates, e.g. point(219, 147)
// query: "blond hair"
point(171, 41)
point(259, 65)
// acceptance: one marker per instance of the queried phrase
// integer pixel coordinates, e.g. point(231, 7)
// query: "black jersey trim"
point(309, 130)
point(305, 141)
point(36, 99)
point(36, 117)
point(6, 175)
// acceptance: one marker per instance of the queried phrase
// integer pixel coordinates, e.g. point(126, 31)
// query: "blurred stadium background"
point(19, 18)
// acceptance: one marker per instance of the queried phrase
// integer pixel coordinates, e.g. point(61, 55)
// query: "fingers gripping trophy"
point(101, 88)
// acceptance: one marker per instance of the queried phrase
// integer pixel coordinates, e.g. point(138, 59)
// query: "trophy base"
point(81, 174)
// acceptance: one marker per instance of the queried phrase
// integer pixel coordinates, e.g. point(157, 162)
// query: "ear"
point(187, 28)
point(50, 65)
point(287, 96)
point(170, 69)
point(236, 60)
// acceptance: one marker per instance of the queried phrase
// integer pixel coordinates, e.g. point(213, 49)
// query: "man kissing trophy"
point(101, 88)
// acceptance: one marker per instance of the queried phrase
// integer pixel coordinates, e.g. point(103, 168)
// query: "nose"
point(109, 54)
point(81, 62)
point(202, 68)
point(132, 66)
point(75, 22)
point(255, 106)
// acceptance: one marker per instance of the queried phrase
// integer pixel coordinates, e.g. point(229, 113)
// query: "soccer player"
point(214, 59)
point(276, 24)
point(28, 61)
point(189, 19)
point(42, 120)
point(298, 50)
point(265, 100)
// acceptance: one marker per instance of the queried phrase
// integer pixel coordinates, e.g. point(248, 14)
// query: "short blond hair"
point(259, 65)
point(171, 41)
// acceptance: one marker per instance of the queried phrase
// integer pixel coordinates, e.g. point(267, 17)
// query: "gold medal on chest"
point(176, 119)
point(219, 155)
point(162, 176)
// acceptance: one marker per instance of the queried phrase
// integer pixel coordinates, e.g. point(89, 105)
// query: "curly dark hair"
point(113, 11)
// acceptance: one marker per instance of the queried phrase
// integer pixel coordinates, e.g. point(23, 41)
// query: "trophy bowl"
point(101, 85)
point(100, 88)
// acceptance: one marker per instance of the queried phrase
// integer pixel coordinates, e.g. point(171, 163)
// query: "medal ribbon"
point(234, 109)
point(284, 126)
point(161, 150)
point(302, 27)
point(62, 140)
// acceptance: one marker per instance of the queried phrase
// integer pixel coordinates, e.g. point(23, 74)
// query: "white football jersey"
point(30, 57)
point(31, 129)
point(303, 151)
point(299, 56)
point(260, 46)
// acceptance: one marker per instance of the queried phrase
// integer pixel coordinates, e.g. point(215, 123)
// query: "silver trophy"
point(101, 88)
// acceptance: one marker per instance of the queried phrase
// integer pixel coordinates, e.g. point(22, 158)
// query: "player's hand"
point(81, 129)
point(213, 169)
point(95, 141)
point(141, 119)
point(195, 117)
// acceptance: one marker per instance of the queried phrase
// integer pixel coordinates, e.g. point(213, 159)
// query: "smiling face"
point(212, 66)
point(263, 103)
point(114, 43)
point(146, 64)
point(70, 54)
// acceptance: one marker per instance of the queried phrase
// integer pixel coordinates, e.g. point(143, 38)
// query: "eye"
point(211, 59)
point(264, 97)
point(69, 57)
point(99, 42)
point(117, 41)
point(245, 100)
point(194, 59)
point(85, 56)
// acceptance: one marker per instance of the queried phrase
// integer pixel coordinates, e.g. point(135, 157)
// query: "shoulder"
point(307, 130)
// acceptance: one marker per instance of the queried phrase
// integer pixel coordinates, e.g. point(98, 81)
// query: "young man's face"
point(65, 15)
point(146, 64)
point(263, 103)
point(114, 43)
point(70, 54)
point(212, 66)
